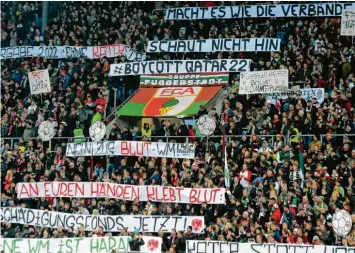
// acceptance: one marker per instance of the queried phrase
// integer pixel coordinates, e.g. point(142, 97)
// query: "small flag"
point(226, 170)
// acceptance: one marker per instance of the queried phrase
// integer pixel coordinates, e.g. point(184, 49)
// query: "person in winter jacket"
point(245, 176)
point(136, 242)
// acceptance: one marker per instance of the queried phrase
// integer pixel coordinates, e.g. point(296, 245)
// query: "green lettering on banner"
point(94, 248)
point(103, 245)
point(11, 246)
point(68, 243)
point(77, 240)
point(123, 244)
point(111, 243)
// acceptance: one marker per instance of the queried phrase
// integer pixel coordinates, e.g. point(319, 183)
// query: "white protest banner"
point(62, 52)
point(179, 66)
point(131, 148)
point(347, 27)
point(192, 79)
point(39, 81)
point(214, 45)
point(194, 246)
point(121, 191)
point(78, 245)
point(109, 223)
point(306, 94)
point(259, 11)
point(268, 81)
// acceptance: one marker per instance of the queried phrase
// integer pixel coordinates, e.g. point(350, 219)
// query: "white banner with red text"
point(132, 148)
point(78, 245)
point(63, 52)
point(194, 246)
point(109, 223)
point(120, 191)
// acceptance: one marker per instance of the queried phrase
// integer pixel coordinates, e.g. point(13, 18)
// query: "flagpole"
point(226, 170)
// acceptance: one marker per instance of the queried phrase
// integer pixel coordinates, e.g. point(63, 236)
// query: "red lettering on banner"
point(47, 192)
point(198, 196)
point(32, 190)
point(177, 91)
point(121, 49)
point(63, 188)
point(102, 51)
point(127, 194)
point(139, 149)
point(150, 195)
point(95, 51)
point(179, 189)
point(172, 194)
point(166, 194)
point(37, 74)
point(102, 189)
point(136, 193)
point(93, 191)
point(118, 191)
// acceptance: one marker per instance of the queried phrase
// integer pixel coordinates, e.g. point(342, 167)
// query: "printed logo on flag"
point(171, 101)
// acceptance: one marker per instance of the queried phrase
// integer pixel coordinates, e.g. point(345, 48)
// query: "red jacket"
point(100, 104)
point(246, 174)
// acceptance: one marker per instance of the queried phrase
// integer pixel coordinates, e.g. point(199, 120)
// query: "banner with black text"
point(63, 52)
point(268, 81)
point(122, 191)
point(306, 94)
point(39, 81)
point(109, 223)
point(105, 244)
point(131, 148)
point(179, 66)
point(259, 11)
point(348, 23)
point(194, 246)
point(215, 45)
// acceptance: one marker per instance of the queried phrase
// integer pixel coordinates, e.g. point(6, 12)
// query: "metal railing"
point(112, 115)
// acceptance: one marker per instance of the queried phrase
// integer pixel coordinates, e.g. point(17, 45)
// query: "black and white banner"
point(109, 223)
point(214, 45)
point(62, 52)
point(269, 81)
point(348, 23)
point(179, 67)
point(131, 148)
point(39, 81)
point(234, 247)
point(306, 94)
point(259, 11)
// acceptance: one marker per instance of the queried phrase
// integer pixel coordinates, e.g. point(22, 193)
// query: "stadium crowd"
point(284, 188)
